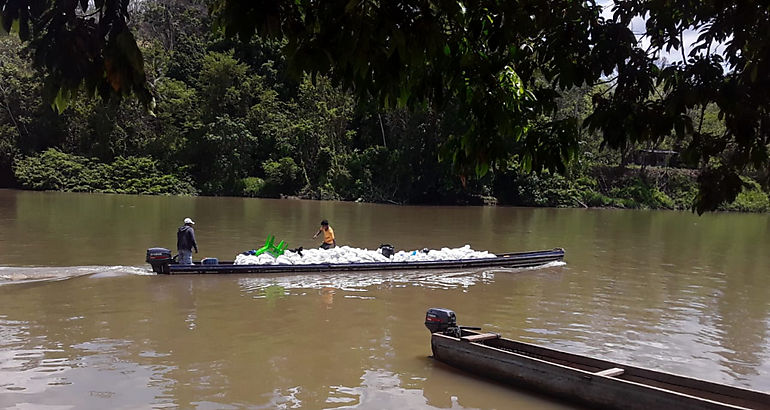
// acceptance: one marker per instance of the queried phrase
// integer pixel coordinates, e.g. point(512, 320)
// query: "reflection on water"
point(665, 290)
point(90, 371)
point(264, 285)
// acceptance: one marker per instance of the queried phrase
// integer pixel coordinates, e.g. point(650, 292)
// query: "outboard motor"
point(444, 321)
point(440, 320)
point(159, 259)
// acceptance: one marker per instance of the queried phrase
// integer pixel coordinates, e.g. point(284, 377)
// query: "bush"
point(253, 187)
point(642, 195)
point(375, 174)
point(59, 171)
point(596, 199)
point(586, 183)
point(327, 192)
point(546, 189)
point(281, 177)
point(140, 175)
point(751, 199)
point(54, 170)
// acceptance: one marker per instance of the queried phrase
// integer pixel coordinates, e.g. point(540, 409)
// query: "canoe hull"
point(508, 260)
point(575, 378)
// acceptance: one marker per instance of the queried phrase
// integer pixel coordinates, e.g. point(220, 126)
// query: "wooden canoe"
point(506, 260)
point(593, 382)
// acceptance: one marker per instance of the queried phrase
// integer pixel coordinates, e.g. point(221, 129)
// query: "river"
point(85, 324)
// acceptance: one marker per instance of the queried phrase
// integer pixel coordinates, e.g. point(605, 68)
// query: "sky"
point(638, 27)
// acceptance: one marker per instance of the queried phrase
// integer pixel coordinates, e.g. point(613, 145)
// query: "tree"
point(728, 66)
point(223, 86)
point(84, 46)
point(16, 107)
point(222, 151)
point(26, 125)
point(503, 63)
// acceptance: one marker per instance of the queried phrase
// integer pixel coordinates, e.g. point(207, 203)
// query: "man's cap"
point(189, 221)
point(324, 222)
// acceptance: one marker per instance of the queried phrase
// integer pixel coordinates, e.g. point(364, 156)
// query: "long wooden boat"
point(593, 382)
point(161, 262)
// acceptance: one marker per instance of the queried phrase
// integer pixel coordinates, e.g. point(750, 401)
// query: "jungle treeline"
point(229, 119)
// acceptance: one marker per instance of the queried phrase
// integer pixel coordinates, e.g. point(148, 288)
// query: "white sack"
point(346, 254)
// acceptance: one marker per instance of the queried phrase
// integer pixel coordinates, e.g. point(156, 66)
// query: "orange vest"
point(328, 235)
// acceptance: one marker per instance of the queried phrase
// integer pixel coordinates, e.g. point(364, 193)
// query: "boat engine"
point(441, 320)
point(444, 321)
point(159, 259)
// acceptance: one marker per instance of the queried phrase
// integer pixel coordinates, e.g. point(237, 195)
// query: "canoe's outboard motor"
point(159, 259)
point(444, 321)
point(441, 320)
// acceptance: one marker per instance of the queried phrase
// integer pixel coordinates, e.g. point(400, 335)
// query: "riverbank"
point(598, 186)
point(663, 188)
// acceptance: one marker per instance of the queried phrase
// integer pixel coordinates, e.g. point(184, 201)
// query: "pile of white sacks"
point(346, 254)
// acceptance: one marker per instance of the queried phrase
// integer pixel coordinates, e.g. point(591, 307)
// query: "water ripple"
point(362, 281)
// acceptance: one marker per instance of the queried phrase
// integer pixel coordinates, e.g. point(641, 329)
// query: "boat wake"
point(13, 274)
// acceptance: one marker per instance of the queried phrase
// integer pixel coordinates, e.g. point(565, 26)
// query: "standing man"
point(185, 242)
point(329, 241)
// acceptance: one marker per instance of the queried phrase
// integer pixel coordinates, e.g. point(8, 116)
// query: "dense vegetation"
point(234, 117)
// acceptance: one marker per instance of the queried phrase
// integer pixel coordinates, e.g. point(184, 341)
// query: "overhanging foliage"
point(503, 63)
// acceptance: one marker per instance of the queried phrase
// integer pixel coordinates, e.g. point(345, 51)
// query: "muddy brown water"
point(85, 324)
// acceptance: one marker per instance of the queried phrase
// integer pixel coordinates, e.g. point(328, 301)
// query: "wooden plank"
point(615, 371)
point(480, 337)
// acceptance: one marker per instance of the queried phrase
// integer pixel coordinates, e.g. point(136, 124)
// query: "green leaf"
point(482, 168)
point(61, 102)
